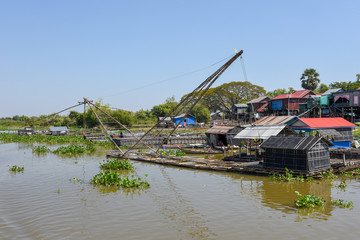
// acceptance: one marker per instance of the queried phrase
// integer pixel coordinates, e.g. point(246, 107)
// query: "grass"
point(16, 169)
point(117, 164)
point(308, 201)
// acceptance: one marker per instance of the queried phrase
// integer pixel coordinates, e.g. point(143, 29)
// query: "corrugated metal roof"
point(296, 94)
point(55, 129)
point(241, 105)
point(219, 129)
point(331, 91)
point(260, 132)
point(293, 142)
point(274, 120)
point(336, 122)
point(328, 132)
point(258, 100)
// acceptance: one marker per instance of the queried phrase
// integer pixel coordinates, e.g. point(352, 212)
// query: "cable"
point(169, 79)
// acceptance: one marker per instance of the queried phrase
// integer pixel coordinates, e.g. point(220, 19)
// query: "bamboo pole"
point(121, 125)
point(105, 131)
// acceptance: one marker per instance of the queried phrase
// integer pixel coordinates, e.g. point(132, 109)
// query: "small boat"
point(199, 150)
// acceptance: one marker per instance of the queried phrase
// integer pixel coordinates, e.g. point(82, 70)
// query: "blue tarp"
point(276, 105)
point(342, 144)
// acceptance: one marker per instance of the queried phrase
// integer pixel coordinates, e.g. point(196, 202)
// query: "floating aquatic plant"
point(342, 203)
point(117, 164)
point(40, 149)
point(307, 201)
point(16, 169)
point(108, 178)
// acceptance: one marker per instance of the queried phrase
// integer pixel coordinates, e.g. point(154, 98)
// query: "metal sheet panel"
point(219, 130)
point(260, 132)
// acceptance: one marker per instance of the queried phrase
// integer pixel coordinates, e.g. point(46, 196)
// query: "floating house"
point(260, 102)
point(26, 131)
point(184, 120)
point(55, 131)
point(296, 153)
point(289, 104)
point(337, 130)
point(222, 135)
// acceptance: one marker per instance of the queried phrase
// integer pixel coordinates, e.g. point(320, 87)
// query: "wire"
point(243, 67)
point(169, 79)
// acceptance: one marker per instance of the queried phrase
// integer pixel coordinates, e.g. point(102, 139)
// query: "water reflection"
point(281, 196)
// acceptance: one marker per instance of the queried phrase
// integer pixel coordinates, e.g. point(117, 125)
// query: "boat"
point(199, 150)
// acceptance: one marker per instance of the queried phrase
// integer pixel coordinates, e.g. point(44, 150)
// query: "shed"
point(303, 154)
point(184, 120)
point(260, 102)
point(222, 135)
point(339, 130)
point(264, 132)
point(289, 102)
point(55, 131)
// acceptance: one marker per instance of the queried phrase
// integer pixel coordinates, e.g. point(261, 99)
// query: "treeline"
point(220, 98)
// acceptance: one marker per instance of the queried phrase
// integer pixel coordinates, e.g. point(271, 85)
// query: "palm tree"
point(309, 79)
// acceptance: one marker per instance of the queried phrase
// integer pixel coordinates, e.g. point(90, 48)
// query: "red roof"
point(219, 129)
point(335, 122)
point(296, 94)
point(261, 109)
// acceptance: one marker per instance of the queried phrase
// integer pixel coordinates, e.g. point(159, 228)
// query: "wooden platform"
point(253, 168)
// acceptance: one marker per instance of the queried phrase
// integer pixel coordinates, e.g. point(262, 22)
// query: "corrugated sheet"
point(296, 94)
point(219, 129)
point(328, 132)
point(260, 132)
point(274, 120)
point(336, 122)
point(292, 142)
point(58, 129)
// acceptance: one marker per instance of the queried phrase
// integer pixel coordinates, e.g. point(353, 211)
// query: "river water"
point(44, 202)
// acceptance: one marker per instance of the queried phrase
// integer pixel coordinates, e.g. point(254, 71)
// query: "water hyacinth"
point(74, 149)
point(108, 178)
point(117, 164)
point(16, 169)
point(40, 149)
point(307, 201)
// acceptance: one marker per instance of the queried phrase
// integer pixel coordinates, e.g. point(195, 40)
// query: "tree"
point(201, 113)
point(358, 77)
point(322, 88)
point(309, 79)
point(345, 85)
point(279, 91)
point(225, 96)
point(162, 110)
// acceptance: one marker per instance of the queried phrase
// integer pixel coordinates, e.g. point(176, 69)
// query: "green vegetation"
point(172, 152)
point(16, 169)
point(342, 185)
point(328, 175)
point(73, 149)
point(289, 177)
point(307, 201)
point(117, 164)
point(309, 79)
point(342, 203)
point(108, 178)
point(40, 149)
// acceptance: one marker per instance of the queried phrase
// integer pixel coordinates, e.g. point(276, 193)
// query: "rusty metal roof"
point(274, 120)
point(219, 129)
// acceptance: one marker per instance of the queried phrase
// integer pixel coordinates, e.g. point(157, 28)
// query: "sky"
point(135, 54)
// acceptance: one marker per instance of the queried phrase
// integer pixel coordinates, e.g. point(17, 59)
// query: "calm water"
point(180, 203)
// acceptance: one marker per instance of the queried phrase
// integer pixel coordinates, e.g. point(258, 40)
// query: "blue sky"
point(135, 54)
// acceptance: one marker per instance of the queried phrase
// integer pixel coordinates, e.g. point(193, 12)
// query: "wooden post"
point(344, 159)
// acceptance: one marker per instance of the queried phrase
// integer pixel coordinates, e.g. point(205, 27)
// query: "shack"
point(184, 120)
point(289, 103)
point(222, 135)
point(55, 131)
point(26, 131)
point(296, 153)
point(337, 130)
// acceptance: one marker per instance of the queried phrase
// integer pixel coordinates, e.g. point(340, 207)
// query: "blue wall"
point(189, 120)
point(276, 105)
